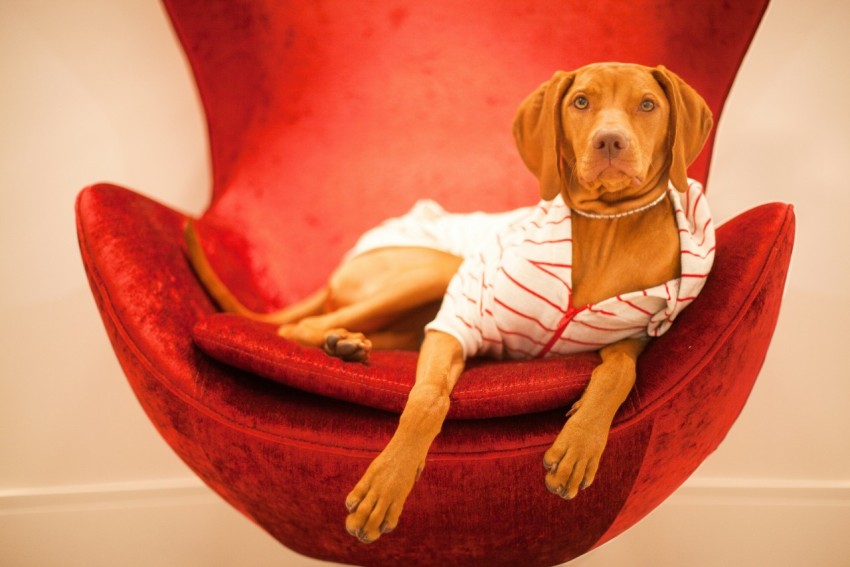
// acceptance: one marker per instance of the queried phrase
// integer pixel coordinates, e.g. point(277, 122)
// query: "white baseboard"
point(176, 491)
point(732, 522)
point(707, 522)
point(130, 494)
point(765, 491)
point(150, 523)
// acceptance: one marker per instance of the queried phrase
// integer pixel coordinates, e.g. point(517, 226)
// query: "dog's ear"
point(690, 123)
point(539, 133)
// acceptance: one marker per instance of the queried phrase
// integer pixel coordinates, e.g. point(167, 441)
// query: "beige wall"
point(95, 90)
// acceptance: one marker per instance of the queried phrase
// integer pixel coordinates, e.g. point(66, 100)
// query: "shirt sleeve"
point(462, 310)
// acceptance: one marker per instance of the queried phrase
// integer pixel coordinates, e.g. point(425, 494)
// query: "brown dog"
point(607, 139)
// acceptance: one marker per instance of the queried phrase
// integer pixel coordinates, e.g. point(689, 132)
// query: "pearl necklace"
point(623, 214)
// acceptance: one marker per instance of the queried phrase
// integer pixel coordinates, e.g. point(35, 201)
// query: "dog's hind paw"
point(350, 347)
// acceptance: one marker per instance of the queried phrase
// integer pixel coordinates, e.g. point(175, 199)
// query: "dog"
point(621, 242)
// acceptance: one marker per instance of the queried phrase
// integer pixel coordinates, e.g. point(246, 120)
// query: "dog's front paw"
point(376, 502)
point(573, 459)
point(350, 347)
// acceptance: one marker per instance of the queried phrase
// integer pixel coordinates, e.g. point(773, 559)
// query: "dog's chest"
point(634, 265)
point(570, 267)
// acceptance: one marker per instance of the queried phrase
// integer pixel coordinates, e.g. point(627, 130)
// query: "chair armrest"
point(144, 287)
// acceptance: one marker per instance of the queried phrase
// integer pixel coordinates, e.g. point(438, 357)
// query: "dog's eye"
point(581, 102)
point(647, 105)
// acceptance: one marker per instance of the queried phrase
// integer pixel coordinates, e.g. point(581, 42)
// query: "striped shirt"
point(513, 299)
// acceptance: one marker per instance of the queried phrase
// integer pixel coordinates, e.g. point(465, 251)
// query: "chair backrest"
point(326, 117)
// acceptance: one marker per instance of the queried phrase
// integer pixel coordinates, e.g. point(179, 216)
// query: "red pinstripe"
point(523, 315)
point(704, 231)
point(521, 335)
point(550, 264)
point(702, 257)
point(696, 202)
point(540, 266)
point(531, 291)
point(478, 330)
point(530, 241)
point(630, 304)
point(462, 276)
point(583, 343)
point(550, 223)
point(594, 309)
point(469, 299)
point(609, 330)
point(469, 325)
point(526, 353)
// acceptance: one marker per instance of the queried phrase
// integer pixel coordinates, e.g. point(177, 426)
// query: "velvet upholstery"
point(325, 118)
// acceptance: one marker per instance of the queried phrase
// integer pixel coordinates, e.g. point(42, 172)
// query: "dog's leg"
point(404, 334)
point(310, 306)
point(377, 500)
point(355, 347)
point(398, 302)
point(573, 459)
point(391, 291)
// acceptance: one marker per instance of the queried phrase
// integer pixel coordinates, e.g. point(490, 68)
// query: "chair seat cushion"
point(746, 248)
point(488, 389)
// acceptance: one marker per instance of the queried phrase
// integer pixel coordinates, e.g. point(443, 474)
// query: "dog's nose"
point(610, 142)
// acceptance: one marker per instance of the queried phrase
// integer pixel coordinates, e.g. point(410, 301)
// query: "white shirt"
point(513, 298)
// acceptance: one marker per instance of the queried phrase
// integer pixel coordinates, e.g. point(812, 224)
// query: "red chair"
point(325, 118)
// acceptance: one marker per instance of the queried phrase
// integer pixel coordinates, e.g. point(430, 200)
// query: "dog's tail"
point(217, 289)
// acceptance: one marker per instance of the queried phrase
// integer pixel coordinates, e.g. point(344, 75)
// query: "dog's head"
point(610, 133)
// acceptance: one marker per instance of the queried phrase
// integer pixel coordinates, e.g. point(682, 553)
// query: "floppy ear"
point(539, 134)
point(690, 123)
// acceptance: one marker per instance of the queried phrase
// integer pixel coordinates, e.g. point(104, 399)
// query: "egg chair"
point(324, 119)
